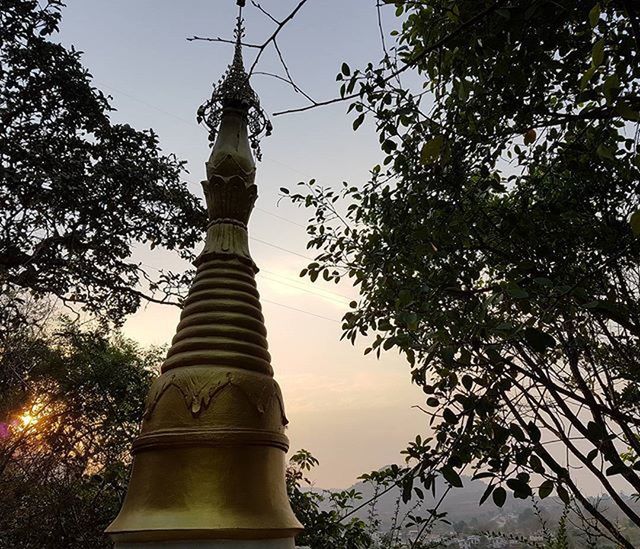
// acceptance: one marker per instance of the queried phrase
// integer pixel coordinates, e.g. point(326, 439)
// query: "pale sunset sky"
point(352, 412)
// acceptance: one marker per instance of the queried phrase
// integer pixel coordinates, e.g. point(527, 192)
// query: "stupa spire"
point(209, 464)
point(234, 90)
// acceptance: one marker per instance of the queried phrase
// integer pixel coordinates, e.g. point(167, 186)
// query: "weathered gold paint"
point(210, 459)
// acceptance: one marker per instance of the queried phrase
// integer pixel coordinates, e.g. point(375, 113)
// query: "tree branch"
point(273, 37)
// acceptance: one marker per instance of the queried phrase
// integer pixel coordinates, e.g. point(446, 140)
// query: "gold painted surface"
point(206, 493)
point(210, 459)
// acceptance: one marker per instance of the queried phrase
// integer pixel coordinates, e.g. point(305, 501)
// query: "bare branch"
point(286, 70)
point(223, 41)
point(381, 29)
point(258, 6)
point(273, 37)
point(283, 79)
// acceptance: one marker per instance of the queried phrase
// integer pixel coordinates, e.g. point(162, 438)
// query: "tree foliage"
point(325, 515)
point(71, 401)
point(496, 247)
point(78, 192)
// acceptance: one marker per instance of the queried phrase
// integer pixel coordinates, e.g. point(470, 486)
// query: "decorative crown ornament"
point(233, 90)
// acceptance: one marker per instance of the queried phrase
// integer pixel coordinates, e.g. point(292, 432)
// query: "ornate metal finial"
point(233, 90)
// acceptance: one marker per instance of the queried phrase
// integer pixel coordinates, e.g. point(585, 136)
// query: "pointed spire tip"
point(234, 91)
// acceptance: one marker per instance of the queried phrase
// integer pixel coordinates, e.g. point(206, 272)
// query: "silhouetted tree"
point(325, 515)
point(496, 247)
point(71, 401)
point(77, 191)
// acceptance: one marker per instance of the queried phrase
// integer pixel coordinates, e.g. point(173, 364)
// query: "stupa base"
point(287, 543)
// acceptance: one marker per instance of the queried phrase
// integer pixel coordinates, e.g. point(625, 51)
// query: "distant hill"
point(461, 504)
point(466, 515)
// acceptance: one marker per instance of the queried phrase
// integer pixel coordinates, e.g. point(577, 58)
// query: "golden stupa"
point(209, 463)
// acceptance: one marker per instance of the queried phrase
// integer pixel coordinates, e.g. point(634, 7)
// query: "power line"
point(190, 123)
point(280, 248)
point(282, 304)
point(172, 115)
point(142, 102)
point(297, 280)
point(308, 290)
point(281, 217)
point(300, 310)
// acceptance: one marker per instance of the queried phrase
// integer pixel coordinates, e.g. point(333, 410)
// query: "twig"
point(258, 6)
point(381, 28)
point(224, 41)
point(283, 79)
point(273, 37)
point(286, 70)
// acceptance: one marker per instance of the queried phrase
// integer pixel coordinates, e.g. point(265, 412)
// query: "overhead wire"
point(319, 292)
point(300, 288)
point(263, 210)
point(272, 302)
point(300, 310)
point(255, 239)
point(297, 281)
point(281, 217)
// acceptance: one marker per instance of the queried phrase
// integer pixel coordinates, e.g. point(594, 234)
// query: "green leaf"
point(467, 382)
point(536, 464)
point(538, 340)
point(586, 77)
point(449, 416)
point(520, 487)
point(545, 489)
point(563, 494)
point(412, 322)
point(358, 122)
point(534, 432)
point(595, 432)
point(597, 53)
point(345, 69)
point(604, 152)
point(616, 469)
point(486, 494)
point(499, 496)
point(451, 476)
point(627, 112)
point(407, 487)
point(431, 150)
point(516, 291)
point(635, 223)
point(594, 15)
point(517, 432)
point(611, 84)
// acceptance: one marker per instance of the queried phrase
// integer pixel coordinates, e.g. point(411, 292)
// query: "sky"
point(354, 413)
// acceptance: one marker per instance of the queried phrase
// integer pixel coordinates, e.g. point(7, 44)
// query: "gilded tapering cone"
point(210, 459)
